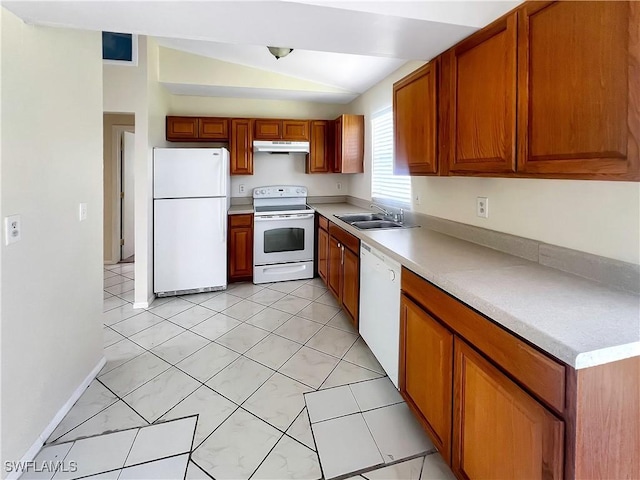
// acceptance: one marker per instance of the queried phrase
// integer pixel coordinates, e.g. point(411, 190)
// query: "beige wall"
point(51, 281)
point(110, 181)
point(597, 217)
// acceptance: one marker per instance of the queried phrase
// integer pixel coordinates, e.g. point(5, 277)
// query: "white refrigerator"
point(190, 202)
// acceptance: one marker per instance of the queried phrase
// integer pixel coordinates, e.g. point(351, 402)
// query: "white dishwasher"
point(380, 307)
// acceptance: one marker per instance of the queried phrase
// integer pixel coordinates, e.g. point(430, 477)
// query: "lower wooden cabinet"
point(334, 263)
point(500, 431)
point(426, 371)
point(351, 286)
point(240, 247)
point(323, 249)
point(343, 276)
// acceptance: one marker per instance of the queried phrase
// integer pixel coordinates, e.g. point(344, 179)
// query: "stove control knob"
point(299, 190)
point(262, 192)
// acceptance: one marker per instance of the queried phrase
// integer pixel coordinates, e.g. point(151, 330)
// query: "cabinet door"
point(240, 247)
point(182, 128)
point(351, 285)
point(349, 142)
point(499, 430)
point(483, 100)
point(323, 254)
point(295, 130)
point(415, 122)
point(241, 147)
point(426, 372)
point(578, 84)
point(320, 156)
point(268, 129)
point(335, 268)
point(211, 128)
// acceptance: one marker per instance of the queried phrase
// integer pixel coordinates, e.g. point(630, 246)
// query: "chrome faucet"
point(383, 210)
point(397, 216)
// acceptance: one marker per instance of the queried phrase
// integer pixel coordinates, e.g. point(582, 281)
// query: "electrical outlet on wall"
point(482, 207)
point(12, 229)
point(241, 188)
point(338, 185)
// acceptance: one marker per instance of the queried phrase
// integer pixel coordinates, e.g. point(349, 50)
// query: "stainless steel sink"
point(350, 218)
point(369, 221)
point(368, 225)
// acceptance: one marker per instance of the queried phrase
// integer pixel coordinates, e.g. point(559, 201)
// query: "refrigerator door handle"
point(223, 221)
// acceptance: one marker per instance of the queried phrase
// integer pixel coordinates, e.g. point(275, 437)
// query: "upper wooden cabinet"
point(321, 151)
point(578, 89)
point(274, 129)
point(481, 96)
point(415, 122)
point(349, 144)
point(194, 129)
point(241, 146)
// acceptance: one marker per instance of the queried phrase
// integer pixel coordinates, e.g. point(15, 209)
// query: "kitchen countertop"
point(240, 209)
point(580, 322)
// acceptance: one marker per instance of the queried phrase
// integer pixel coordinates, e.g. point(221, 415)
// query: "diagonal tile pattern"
point(238, 363)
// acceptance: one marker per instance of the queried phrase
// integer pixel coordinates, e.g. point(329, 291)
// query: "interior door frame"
point(117, 133)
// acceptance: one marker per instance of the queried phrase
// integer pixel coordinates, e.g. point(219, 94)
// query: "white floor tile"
point(162, 440)
point(111, 303)
point(342, 322)
point(129, 376)
point(128, 296)
point(434, 468)
point(346, 373)
point(108, 274)
point(221, 302)
point(291, 304)
point(278, 401)
point(361, 355)
point(156, 397)
point(198, 298)
point(239, 380)
point(287, 287)
point(136, 324)
point(375, 393)
point(166, 469)
point(118, 416)
point(121, 287)
point(119, 353)
point(409, 470)
point(236, 449)
point(397, 433)
point(298, 329)
point(109, 336)
point(194, 472)
point(266, 296)
point(327, 298)
point(180, 347)
point(120, 313)
point(114, 279)
point(207, 361)
point(309, 366)
point(317, 282)
point(331, 403)
point(242, 338)
point(309, 292)
point(157, 334)
point(99, 454)
point(244, 289)
point(48, 456)
point(332, 341)
point(300, 429)
point(243, 310)
point(273, 351)
point(93, 400)
point(318, 312)
point(172, 308)
point(192, 317)
point(215, 326)
point(337, 439)
point(106, 295)
point(289, 460)
point(269, 319)
point(211, 407)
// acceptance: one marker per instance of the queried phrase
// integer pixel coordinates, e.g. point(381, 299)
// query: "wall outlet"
point(12, 229)
point(338, 185)
point(482, 207)
point(416, 198)
point(82, 212)
point(241, 188)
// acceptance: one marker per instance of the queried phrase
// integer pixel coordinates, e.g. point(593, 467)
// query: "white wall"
point(51, 281)
point(597, 217)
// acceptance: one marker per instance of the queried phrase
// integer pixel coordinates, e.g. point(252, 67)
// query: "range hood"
point(280, 146)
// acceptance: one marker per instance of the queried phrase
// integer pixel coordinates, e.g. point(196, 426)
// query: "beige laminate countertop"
point(581, 322)
point(240, 209)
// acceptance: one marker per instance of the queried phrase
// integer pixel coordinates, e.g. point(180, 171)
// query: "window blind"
point(385, 186)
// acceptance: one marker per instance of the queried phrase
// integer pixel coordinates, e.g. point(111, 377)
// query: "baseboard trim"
point(146, 304)
point(37, 445)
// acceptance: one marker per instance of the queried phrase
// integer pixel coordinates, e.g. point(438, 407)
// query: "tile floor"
point(241, 363)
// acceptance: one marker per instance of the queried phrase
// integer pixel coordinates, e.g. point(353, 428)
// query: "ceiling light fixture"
point(280, 52)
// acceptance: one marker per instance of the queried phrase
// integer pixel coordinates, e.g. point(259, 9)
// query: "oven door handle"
point(279, 218)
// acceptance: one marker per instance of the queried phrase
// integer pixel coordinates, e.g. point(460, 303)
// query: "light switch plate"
point(82, 212)
point(12, 229)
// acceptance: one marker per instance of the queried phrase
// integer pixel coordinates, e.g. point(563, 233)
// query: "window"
point(120, 48)
point(385, 186)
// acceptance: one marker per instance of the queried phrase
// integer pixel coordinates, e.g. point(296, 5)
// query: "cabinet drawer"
point(323, 222)
point(241, 220)
point(348, 240)
point(543, 376)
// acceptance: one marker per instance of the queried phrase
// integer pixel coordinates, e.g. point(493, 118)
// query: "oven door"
point(282, 239)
